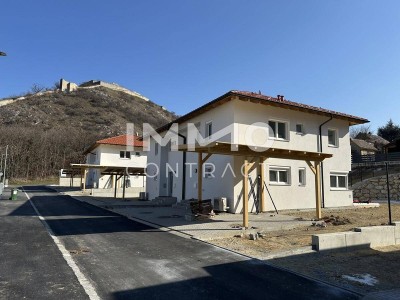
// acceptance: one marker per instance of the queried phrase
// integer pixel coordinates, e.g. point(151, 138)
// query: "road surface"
point(122, 259)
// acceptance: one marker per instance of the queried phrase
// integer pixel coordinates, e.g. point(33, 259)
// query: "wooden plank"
point(318, 190)
point(246, 195)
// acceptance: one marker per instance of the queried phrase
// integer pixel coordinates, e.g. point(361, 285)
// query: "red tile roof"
point(121, 140)
point(266, 100)
point(299, 105)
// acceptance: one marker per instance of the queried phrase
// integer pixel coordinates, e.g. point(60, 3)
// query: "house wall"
point(292, 196)
point(109, 155)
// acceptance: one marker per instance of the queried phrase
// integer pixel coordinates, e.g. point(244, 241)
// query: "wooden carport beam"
point(316, 169)
point(261, 172)
point(201, 161)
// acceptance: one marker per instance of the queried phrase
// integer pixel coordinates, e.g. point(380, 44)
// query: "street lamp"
point(3, 54)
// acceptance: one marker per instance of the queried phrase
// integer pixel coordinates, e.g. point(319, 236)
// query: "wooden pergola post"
point(261, 172)
point(246, 194)
point(318, 189)
point(84, 178)
point(316, 169)
point(200, 177)
point(200, 164)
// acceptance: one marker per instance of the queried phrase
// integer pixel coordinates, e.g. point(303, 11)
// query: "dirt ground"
point(382, 263)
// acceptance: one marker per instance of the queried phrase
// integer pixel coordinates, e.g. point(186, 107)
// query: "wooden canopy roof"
point(224, 148)
point(111, 170)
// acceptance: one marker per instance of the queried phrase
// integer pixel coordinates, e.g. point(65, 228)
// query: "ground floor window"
point(302, 176)
point(279, 175)
point(338, 181)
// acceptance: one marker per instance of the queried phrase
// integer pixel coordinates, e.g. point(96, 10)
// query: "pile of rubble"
point(331, 220)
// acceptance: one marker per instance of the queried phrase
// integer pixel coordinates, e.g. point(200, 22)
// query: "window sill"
point(302, 185)
point(339, 189)
point(279, 183)
point(333, 146)
point(278, 139)
point(300, 133)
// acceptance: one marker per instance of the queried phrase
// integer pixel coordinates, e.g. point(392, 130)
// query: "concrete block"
point(356, 239)
point(396, 229)
point(328, 241)
point(378, 236)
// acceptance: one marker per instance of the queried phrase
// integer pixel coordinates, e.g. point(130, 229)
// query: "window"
point(279, 176)
point(338, 181)
point(279, 130)
point(302, 176)
point(208, 129)
point(300, 128)
point(137, 154)
point(155, 148)
point(333, 138)
point(125, 154)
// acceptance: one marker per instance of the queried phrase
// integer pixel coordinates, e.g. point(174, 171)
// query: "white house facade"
point(292, 126)
point(113, 152)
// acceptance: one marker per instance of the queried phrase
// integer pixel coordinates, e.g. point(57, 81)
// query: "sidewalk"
point(220, 226)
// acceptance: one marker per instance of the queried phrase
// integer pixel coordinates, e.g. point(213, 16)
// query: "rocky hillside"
point(99, 110)
point(48, 131)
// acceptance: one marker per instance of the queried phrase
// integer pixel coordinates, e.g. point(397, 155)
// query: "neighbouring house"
point(378, 141)
point(113, 152)
point(306, 145)
point(393, 147)
point(361, 147)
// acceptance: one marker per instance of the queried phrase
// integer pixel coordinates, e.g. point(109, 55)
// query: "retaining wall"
point(375, 188)
point(373, 236)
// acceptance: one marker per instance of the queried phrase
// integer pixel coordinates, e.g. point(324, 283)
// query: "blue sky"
point(342, 55)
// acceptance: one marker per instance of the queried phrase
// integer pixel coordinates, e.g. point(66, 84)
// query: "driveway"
point(123, 259)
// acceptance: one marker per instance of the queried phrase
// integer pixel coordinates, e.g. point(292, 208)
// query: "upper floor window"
point(279, 175)
point(333, 139)
point(300, 128)
point(208, 129)
point(338, 181)
point(279, 130)
point(125, 154)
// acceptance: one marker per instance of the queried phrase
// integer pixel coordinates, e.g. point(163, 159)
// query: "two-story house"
point(114, 152)
point(291, 126)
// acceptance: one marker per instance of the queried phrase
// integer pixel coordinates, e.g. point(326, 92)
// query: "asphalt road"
point(124, 259)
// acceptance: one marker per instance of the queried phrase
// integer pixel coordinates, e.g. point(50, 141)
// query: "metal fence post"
point(388, 193)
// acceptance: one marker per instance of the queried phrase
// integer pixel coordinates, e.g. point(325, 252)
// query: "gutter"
point(322, 163)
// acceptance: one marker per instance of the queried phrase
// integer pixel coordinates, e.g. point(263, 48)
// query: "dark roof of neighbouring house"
point(120, 140)
point(364, 145)
point(266, 100)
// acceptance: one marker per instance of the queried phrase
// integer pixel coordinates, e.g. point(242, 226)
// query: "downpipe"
point(322, 163)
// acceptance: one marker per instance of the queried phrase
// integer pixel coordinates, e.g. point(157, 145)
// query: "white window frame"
point(207, 127)
point(304, 177)
point(275, 137)
point(302, 132)
point(279, 169)
point(336, 145)
point(337, 175)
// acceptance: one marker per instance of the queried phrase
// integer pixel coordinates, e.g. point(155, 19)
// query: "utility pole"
point(5, 167)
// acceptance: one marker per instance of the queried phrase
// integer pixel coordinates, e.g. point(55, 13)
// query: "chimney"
point(280, 97)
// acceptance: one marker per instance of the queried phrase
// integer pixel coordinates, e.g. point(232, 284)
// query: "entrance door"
point(170, 183)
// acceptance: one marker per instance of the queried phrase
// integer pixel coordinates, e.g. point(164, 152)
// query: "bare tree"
point(360, 131)
point(37, 88)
